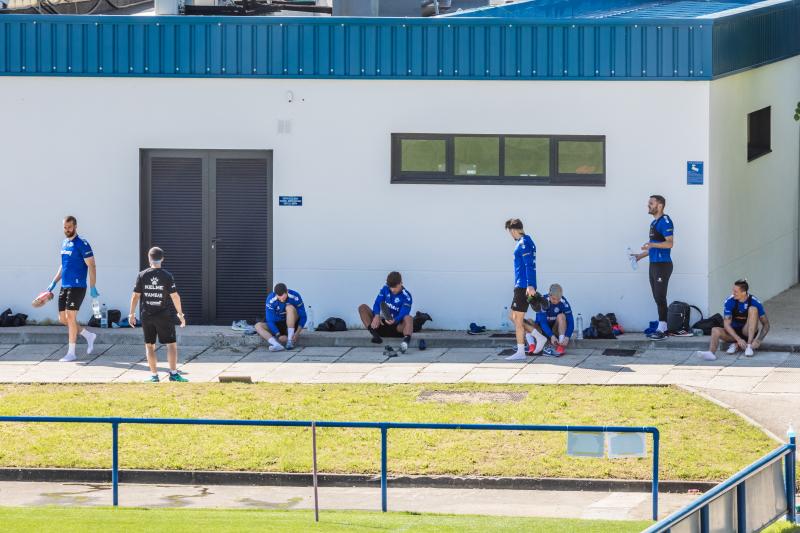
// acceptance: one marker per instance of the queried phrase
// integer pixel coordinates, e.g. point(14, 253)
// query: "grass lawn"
point(699, 439)
point(87, 520)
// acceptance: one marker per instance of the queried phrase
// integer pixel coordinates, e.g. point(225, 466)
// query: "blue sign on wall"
point(694, 172)
point(293, 201)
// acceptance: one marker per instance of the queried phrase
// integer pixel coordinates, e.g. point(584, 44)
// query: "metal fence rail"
point(384, 428)
point(697, 517)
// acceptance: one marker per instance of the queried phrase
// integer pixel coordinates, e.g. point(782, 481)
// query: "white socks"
point(541, 340)
point(662, 327)
point(290, 334)
point(529, 338)
point(273, 341)
point(71, 348)
point(519, 355)
point(561, 339)
point(90, 337)
point(70, 354)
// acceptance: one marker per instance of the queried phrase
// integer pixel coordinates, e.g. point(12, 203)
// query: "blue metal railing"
point(738, 482)
point(384, 428)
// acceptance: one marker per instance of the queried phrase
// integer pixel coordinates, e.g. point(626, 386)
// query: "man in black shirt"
point(154, 288)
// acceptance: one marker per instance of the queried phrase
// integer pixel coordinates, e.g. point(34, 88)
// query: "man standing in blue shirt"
point(524, 282)
point(658, 250)
point(77, 260)
point(285, 318)
point(743, 314)
point(390, 314)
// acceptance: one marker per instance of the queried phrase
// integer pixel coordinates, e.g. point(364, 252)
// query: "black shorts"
point(161, 327)
point(742, 334)
point(520, 301)
point(389, 330)
point(71, 298)
point(283, 329)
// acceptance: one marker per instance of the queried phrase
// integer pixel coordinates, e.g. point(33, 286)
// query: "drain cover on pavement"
point(619, 351)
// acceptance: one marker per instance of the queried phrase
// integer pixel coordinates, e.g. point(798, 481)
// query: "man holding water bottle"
point(658, 250)
point(77, 260)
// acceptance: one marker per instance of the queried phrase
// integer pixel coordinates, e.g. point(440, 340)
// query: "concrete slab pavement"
point(493, 502)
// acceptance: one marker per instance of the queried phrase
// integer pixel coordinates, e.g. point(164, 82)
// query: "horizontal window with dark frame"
point(490, 159)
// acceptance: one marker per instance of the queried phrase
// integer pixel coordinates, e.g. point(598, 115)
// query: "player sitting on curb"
point(390, 315)
point(285, 319)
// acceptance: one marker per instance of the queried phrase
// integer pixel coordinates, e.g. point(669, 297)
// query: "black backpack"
point(706, 324)
point(332, 324)
point(679, 316)
point(602, 325)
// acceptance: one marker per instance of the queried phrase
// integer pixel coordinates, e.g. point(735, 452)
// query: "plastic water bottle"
point(96, 308)
point(504, 323)
point(104, 317)
point(634, 262)
point(579, 326)
point(310, 322)
point(790, 431)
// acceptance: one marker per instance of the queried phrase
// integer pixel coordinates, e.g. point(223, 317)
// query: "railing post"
point(791, 479)
point(704, 522)
point(314, 466)
point(115, 462)
point(656, 439)
point(384, 431)
point(741, 507)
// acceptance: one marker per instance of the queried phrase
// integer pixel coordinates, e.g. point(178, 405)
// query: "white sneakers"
point(69, 358)
point(518, 356)
point(732, 349)
point(403, 347)
point(276, 348)
point(707, 356)
point(748, 352)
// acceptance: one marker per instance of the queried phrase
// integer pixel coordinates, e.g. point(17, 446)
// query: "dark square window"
point(758, 133)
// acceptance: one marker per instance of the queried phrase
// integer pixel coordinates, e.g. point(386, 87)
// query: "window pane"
point(422, 155)
point(580, 157)
point(527, 156)
point(477, 156)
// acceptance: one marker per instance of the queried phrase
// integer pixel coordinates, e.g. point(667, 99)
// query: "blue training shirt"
point(731, 303)
point(547, 318)
point(399, 304)
point(525, 262)
point(660, 229)
point(74, 269)
point(276, 309)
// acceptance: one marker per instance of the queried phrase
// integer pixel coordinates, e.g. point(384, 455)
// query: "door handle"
point(214, 243)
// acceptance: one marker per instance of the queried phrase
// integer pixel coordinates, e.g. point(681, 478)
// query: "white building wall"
point(72, 146)
point(754, 206)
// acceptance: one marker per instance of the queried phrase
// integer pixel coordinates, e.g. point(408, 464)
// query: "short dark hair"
point(280, 289)
point(514, 223)
point(660, 199)
point(394, 279)
point(742, 284)
point(155, 254)
point(70, 218)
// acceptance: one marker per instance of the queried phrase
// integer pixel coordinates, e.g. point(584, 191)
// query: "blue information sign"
point(293, 201)
point(694, 172)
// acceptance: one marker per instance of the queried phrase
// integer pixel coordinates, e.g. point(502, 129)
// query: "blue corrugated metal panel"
point(605, 8)
point(755, 38)
point(353, 48)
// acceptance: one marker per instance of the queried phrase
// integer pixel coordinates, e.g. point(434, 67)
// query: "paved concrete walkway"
point(767, 372)
point(499, 502)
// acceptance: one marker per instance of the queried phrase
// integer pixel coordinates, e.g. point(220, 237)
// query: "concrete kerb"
point(221, 337)
point(199, 477)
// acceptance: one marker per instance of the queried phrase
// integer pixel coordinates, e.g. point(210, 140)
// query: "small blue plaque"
point(293, 201)
point(694, 172)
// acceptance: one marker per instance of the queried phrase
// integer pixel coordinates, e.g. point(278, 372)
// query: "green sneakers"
point(177, 377)
point(152, 379)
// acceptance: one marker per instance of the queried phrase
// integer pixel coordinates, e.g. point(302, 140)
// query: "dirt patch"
point(441, 396)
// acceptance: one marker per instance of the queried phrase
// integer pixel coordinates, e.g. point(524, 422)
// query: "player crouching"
point(285, 319)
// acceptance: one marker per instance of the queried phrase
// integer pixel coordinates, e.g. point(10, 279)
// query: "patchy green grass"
point(102, 520)
point(699, 439)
